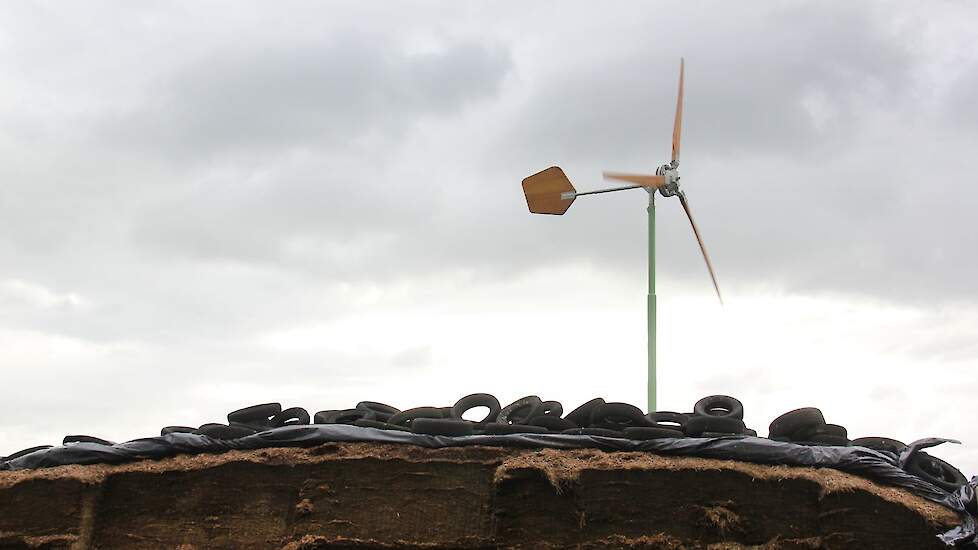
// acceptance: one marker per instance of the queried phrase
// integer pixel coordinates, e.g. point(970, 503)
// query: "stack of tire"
point(247, 421)
point(715, 416)
point(527, 415)
point(807, 426)
point(67, 441)
point(929, 468)
point(935, 471)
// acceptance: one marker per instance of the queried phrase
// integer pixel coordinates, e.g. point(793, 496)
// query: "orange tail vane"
point(549, 192)
point(677, 128)
point(638, 179)
point(696, 231)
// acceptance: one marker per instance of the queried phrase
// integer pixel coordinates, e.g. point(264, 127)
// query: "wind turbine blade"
point(696, 231)
point(677, 128)
point(640, 179)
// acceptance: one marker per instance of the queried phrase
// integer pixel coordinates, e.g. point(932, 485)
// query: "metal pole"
point(651, 302)
point(568, 195)
point(609, 190)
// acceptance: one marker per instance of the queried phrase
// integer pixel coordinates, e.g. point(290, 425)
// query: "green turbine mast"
point(550, 192)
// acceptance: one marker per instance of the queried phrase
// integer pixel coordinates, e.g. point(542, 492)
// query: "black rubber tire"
point(806, 434)
point(750, 432)
point(248, 427)
point(550, 408)
point(495, 428)
point(345, 416)
point(477, 400)
point(836, 429)
point(177, 430)
point(441, 426)
point(829, 440)
point(668, 419)
point(582, 415)
point(552, 423)
point(404, 418)
point(719, 434)
point(364, 423)
point(780, 438)
point(617, 416)
point(645, 433)
point(519, 411)
point(717, 424)
point(86, 439)
point(254, 425)
point(295, 416)
point(222, 431)
point(255, 413)
point(792, 421)
point(880, 444)
point(935, 471)
point(377, 407)
point(719, 405)
point(382, 411)
point(603, 432)
point(27, 451)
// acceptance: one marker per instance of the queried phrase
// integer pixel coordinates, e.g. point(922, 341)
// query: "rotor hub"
point(671, 186)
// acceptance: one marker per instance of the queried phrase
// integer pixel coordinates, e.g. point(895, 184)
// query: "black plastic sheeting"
point(880, 466)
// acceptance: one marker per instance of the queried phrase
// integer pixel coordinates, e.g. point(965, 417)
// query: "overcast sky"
point(208, 205)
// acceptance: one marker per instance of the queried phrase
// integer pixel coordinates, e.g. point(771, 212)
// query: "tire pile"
point(712, 417)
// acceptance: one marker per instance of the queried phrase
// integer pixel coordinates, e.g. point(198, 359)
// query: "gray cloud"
point(333, 92)
point(784, 80)
point(803, 153)
point(783, 98)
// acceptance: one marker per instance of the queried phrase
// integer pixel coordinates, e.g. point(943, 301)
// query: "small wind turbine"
point(550, 192)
